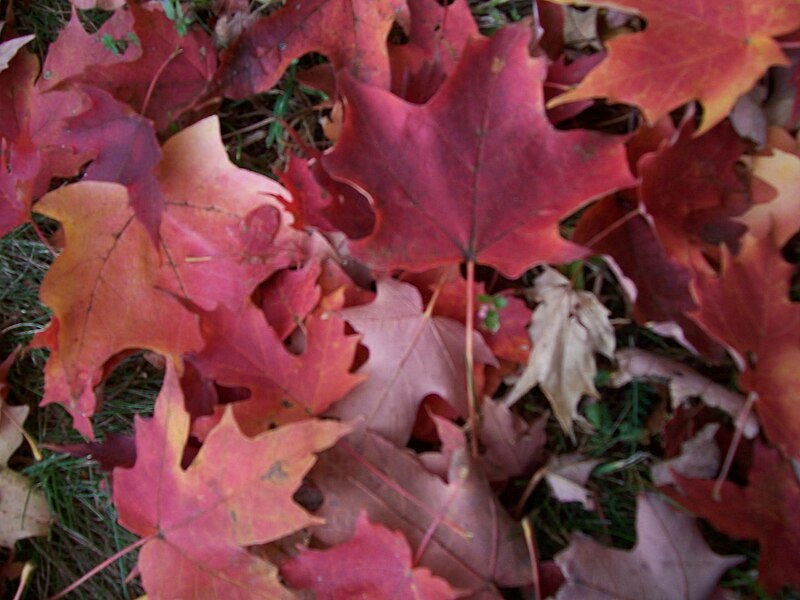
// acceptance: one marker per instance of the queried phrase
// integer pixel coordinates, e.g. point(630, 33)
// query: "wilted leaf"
point(684, 383)
point(242, 350)
point(568, 328)
point(760, 329)
point(512, 447)
point(567, 475)
point(9, 48)
point(699, 458)
point(474, 541)
point(765, 510)
point(780, 216)
point(670, 560)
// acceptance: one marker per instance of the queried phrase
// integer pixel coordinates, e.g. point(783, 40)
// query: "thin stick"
point(527, 530)
point(737, 437)
point(618, 223)
point(111, 559)
point(43, 239)
point(439, 517)
point(537, 477)
point(27, 571)
point(469, 350)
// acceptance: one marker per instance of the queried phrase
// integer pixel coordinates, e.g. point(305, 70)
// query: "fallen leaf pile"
point(352, 354)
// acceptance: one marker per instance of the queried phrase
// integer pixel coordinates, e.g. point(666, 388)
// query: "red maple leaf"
point(761, 330)
point(242, 350)
point(436, 38)
point(478, 173)
point(374, 563)
point(237, 492)
point(710, 51)
point(139, 57)
point(110, 268)
point(765, 510)
point(351, 33)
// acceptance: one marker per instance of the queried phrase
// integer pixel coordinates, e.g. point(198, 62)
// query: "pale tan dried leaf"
point(9, 49)
point(684, 383)
point(568, 328)
point(11, 419)
point(567, 475)
point(699, 458)
point(101, 4)
point(23, 509)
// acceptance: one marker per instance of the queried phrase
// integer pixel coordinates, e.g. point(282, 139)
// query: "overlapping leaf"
point(670, 560)
point(478, 173)
point(412, 354)
point(110, 268)
point(374, 563)
point(765, 510)
point(236, 493)
point(351, 33)
point(761, 329)
point(710, 51)
point(467, 537)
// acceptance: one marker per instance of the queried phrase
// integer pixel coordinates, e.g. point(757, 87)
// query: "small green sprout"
point(489, 311)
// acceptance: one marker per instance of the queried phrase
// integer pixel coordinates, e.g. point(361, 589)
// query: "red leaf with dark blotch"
point(760, 329)
point(223, 232)
point(123, 148)
point(108, 257)
point(159, 73)
point(478, 173)
point(663, 298)
point(351, 33)
point(321, 202)
point(766, 510)
point(243, 350)
point(473, 542)
point(411, 354)
point(289, 296)
point(670, 560)
point(438, 33)
point(691, 189)
point(237, 492)
point(375, 563)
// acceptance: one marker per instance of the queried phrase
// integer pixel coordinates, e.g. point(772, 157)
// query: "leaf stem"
point(469, 351)
point(156, 77)
point(737, 438)
point(616, 224)
point(111, 559)
point(527, 530)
